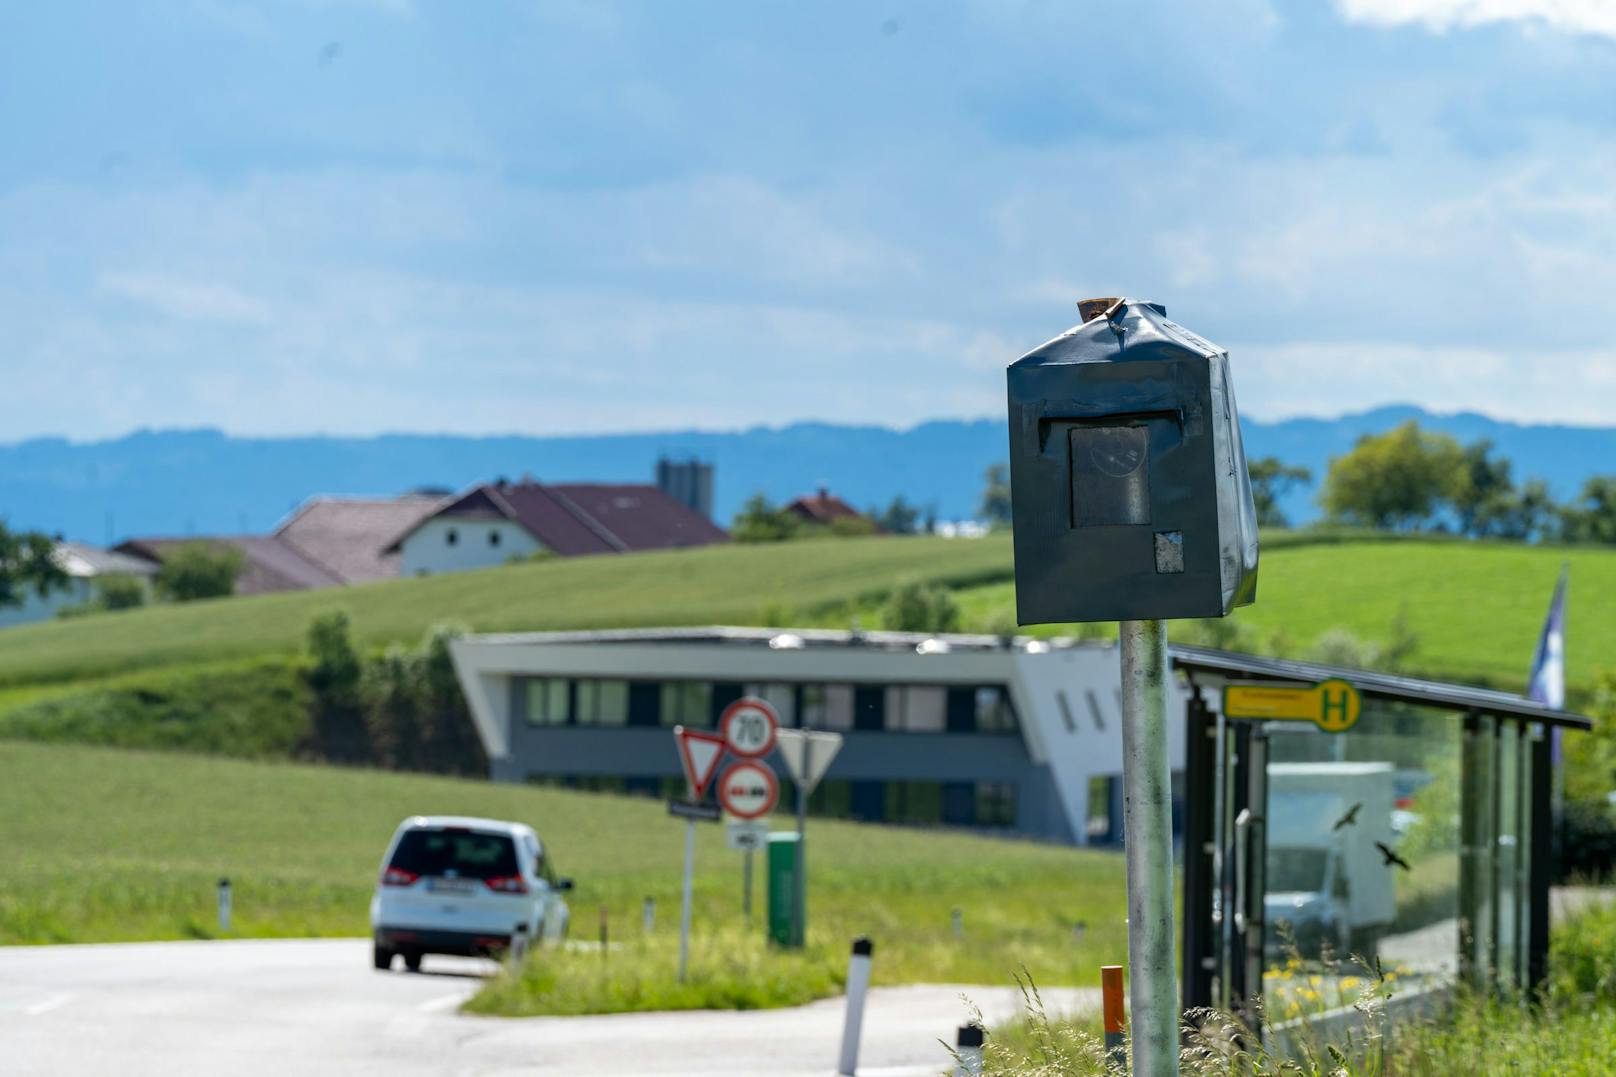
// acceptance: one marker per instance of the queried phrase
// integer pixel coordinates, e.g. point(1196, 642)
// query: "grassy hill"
point(740, 584)
point(1473, 609)
point(105, 844)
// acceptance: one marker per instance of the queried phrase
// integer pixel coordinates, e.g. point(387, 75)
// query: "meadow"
point(149, 677)
point(114, 844)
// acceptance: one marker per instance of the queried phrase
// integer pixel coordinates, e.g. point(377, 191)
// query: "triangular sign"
point(699, 754)
point(807, 754)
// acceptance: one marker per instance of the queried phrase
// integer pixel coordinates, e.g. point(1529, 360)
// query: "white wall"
point(428, 550)
point(35, 608)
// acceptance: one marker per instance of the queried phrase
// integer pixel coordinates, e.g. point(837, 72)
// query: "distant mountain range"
point(178, 482)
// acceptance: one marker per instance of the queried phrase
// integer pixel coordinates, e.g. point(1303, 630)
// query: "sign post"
point(1132, 502)
point(1334, 705)
point(749, 727)
point(808, 755)
point(699, 754)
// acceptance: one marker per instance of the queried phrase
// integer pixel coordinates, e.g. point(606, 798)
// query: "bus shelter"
point(1414, 846)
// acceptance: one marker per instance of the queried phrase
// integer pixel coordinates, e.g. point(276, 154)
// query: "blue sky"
point(350, 217)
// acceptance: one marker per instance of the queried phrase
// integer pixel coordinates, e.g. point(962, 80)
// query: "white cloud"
point(186, 300)
point(1576, 16)
point(1552, 386)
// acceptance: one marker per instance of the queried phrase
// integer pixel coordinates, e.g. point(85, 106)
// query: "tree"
point(995, 507)
point(1271, 479)
point(1529, 514)
point(898, 518)
point(334, 675)
point(450, 741)
point(119, 591)
point(199, 570)
point(390, 690)
point(1592, 516)
point(760, 521)
point(1393, 481)
point(916, 607)
point(1483, 494)
point(28, 563)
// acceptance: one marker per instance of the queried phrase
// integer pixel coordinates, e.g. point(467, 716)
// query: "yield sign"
point(807, 754)
point(699, 754)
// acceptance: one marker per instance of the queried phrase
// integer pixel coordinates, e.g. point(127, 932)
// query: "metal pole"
point(1148, 825)
point(799, 907)
point(746, 887)
point(684, 908)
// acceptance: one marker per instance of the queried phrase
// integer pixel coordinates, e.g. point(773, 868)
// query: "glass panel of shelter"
point(1401, 848)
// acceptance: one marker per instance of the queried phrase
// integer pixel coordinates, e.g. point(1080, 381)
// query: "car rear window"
point(466, 853)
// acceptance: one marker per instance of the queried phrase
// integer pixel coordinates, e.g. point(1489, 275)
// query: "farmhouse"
point(497, 522)
point(84, 564)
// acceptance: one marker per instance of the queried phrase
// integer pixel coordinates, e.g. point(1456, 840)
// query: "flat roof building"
point(1021, 736)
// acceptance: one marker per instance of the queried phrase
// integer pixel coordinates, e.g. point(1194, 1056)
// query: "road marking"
point(45, 1006)
point(438, 1005)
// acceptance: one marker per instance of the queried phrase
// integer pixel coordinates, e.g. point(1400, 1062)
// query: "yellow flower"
point(1350, 983)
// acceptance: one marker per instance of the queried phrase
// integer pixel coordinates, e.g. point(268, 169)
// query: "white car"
point(453, 885)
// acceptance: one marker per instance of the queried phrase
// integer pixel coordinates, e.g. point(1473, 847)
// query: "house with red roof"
point(493, 523)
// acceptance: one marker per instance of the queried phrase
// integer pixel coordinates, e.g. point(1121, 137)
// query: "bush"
point(254, 710)
point(1587, 841)
point(199, 570)
point(916, 607)
point(333, 676)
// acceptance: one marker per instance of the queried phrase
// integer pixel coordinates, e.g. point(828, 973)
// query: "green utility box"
point(785, 929)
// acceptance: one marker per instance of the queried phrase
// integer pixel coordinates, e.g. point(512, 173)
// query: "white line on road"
point(439, 1005)
point(44, 1006)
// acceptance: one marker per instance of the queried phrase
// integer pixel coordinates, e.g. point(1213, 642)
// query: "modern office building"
point(968, 731)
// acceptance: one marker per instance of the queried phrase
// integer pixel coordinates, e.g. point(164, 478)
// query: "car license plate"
point(451, 886)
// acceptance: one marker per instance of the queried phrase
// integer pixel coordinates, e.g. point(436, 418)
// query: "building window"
point(601, 703)
point(547, 701)
point(995, 804)
point(782, 697)
point(914, 803)
point(687, 703)
point(451, 536)
point(827, 706)
point(994, 712)
point(917, 708)
point(493, 537)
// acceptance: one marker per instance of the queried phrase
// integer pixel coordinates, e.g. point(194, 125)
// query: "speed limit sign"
point(748, 727)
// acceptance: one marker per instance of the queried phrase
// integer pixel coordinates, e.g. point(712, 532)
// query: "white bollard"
point(968, 1048)
point(858, 985)
point(649, 915)
point(224, 906)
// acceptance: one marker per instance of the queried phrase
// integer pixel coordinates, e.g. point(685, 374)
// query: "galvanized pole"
point(1148, 823)
point(746, 887)
point(799, 910)
point(684, 908)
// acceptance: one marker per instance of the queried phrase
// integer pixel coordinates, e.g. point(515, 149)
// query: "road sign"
point(808, 754)
point(746, 834)
point(748, 727)
point(748, 790)
point(691, 809)
point(1334, 705)
point(699, 754)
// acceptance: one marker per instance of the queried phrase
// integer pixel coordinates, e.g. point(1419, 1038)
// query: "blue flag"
point(1548, 666)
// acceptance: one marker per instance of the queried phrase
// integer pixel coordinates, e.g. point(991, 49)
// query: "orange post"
point(1115, 1015)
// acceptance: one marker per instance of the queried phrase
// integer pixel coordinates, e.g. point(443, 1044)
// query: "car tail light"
point(507, 884)
point(398, 877)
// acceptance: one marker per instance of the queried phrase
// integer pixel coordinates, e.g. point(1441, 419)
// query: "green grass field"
point(107, 844)
point(715, 584)
point(1476, 608)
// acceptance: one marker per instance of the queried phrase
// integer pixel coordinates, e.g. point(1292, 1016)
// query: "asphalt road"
point(316, 1007)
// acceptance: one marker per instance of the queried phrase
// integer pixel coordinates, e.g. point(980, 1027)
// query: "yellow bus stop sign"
point(1333, 706)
